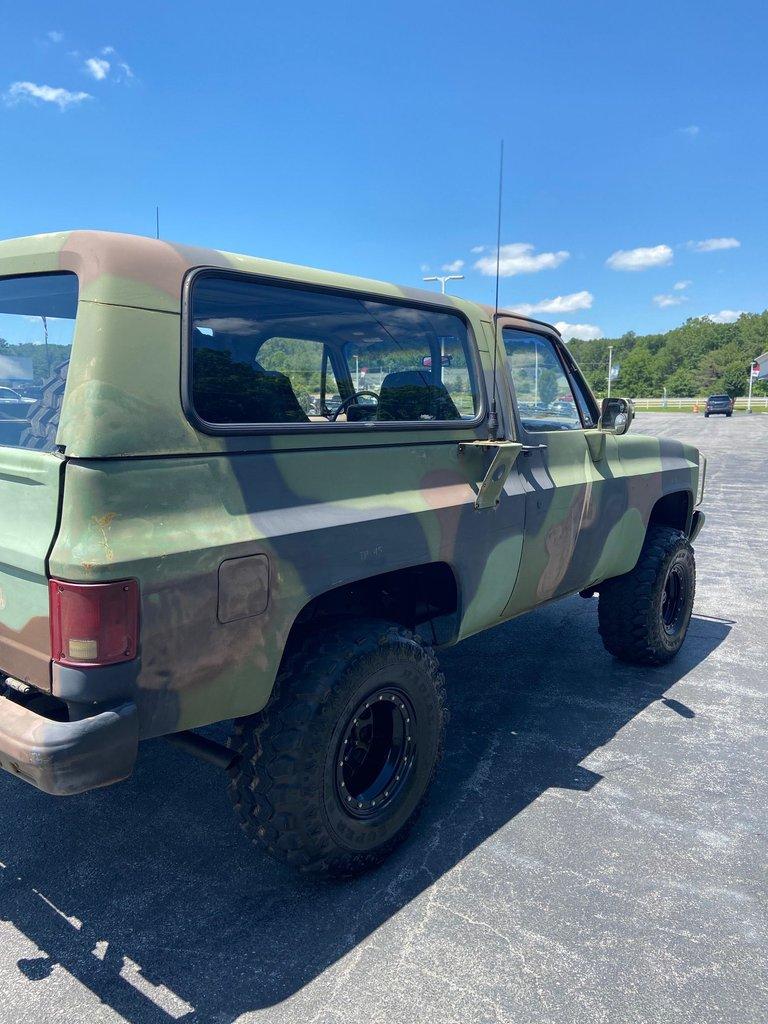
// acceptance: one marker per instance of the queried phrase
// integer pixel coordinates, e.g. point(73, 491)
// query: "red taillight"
point(94, 623)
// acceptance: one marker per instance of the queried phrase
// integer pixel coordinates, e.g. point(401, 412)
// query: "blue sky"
point(364, 138)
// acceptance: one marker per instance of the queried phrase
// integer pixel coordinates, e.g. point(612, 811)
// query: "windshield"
point(37, 322)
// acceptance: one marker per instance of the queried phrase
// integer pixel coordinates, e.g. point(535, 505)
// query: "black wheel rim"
point(376, 753)
point(673, 601)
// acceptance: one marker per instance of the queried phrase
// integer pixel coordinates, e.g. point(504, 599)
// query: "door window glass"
point(545, 400)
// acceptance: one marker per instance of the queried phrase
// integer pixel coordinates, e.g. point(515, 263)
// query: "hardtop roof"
point(135, 270)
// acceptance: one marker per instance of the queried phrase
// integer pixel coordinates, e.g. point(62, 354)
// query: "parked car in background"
point(9, 395)
point(719, 405)
point(14, 407)
point(30, 391)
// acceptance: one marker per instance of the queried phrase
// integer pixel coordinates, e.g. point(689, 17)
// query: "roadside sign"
point(755, 369)
point(615, 371)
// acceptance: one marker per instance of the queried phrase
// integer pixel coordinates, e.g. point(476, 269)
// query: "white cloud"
point(725, 316)
point(691, 130)
point(424, 268)
point(520, 258)
point(63, 98)
point(680, 286)
point(126, 69)
point(98, 68)
point(454, 267)
point(107, 50)
point(662, 301)
point(55, 37)
point(584, 332)
point(477, 249)
point(714, 244)
point(558, 304)
point(642, 258)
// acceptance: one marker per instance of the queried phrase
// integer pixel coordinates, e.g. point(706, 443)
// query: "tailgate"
point(29, 501)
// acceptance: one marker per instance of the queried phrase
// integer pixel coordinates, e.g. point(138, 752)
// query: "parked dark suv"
point(719, 404)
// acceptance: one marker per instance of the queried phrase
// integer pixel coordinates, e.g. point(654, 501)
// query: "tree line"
point(43, 362)
point(698, 358)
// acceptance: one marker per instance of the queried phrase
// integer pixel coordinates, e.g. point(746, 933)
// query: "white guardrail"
point(760, 402)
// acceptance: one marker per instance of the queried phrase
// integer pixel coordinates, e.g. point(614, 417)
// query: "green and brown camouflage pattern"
point(146, 495)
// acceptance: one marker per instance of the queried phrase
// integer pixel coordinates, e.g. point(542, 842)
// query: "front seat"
point(227, 391)
point(413, 395)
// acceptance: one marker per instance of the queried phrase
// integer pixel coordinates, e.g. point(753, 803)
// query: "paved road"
point(594, 851)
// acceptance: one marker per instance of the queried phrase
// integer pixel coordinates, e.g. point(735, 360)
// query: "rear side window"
point(273, 354)
point(37, 323)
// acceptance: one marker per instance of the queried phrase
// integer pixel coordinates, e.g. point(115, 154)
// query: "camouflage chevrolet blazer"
point(239, 490)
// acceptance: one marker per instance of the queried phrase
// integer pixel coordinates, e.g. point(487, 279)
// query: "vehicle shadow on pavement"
point(149, 895)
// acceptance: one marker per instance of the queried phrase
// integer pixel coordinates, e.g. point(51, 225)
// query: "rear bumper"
point(64, 758)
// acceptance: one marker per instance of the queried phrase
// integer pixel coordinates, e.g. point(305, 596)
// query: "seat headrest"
point(413, 395)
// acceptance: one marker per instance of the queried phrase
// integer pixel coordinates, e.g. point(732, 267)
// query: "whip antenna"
point(493, 418)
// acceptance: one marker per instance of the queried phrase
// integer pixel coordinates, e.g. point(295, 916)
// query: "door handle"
point(527, 448)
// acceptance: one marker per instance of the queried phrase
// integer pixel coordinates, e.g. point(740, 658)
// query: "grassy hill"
point(698, 358)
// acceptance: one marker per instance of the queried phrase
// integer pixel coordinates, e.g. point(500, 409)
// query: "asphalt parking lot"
point(594, 850)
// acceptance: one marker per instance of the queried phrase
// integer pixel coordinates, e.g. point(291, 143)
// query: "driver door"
point(565, 468)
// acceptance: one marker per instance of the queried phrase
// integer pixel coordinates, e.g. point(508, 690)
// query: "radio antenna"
point(493, 418)
point(157, 222)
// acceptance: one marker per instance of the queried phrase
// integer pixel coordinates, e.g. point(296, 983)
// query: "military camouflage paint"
point(147, 495)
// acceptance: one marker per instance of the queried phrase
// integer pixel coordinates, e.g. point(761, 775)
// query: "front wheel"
point(644, 615)
point(333, 772)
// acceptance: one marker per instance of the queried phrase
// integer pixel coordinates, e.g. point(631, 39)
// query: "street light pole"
point(444, 280)
point(47, 354)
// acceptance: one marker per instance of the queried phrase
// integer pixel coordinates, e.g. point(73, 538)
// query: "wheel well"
point(672, 510)
point(424, 598)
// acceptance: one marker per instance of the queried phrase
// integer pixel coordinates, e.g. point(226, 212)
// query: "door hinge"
point(504, 455)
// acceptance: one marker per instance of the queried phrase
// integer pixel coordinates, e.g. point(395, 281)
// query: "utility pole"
point(444, 280)
point(610, 368)
point(752, 375)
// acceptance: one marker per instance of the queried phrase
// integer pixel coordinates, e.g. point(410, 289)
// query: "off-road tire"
point(631, 607)
point(43, 425)
point(285, 784)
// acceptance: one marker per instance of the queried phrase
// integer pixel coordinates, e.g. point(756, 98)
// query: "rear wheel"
point(644, 615)
point(333, 773)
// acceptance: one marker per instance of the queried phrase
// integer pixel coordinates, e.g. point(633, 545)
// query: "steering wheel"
point(349, 400)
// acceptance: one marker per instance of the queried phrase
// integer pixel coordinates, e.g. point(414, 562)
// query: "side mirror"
point(616, 415)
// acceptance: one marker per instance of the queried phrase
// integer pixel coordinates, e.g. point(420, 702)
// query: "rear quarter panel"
point(322, 519)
